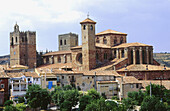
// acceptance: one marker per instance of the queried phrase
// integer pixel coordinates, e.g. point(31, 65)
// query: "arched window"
point(115, 41)
point(131, 56)
point(121, 40)
point(22, 39)
point(104, 40)
point(97, 40)
point(91, 27)
point(47, 60)
point(16, 39)
point(12, 41)
point(105, 56)
point(59, 59)
point(64, 42)
point(143, 57)
point(61, 42)
point(84, 27)
point(137, 57)
point(26, 39)
point(79, 58)
point(123, 54)
point(97, 56)
point(115, 54)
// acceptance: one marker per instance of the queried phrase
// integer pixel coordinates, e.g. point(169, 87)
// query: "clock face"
point(14, 53)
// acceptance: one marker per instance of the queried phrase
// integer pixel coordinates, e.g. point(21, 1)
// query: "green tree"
point(21, 107)
point(70, 99)
point(84, 101)
point(10, 108)
point(21, 99)
point(8, 103)
point(160, 92)
point(92, 106)
point(137, 97)
point(94, 94)
point(102, 105)
point(67, 87)
point(38, 97)
point(152, 104)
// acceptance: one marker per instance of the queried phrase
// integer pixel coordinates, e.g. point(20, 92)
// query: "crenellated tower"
point(22, 48)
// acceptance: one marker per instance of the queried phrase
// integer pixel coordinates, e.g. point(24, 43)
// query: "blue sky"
point(145, 21)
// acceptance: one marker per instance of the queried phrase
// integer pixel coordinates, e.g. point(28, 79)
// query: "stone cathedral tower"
point(22, 48)
point(88, 44)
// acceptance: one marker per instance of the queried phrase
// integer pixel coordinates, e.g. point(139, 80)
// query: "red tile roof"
point(57, 53)
point(88, 20)
point(131, 45)
point(109, 31)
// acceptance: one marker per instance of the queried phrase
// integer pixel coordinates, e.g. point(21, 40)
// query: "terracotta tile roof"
point(166, 83)
point(110, 64)
point(13, 75)
point(77, 47)
point(102, 45)
point(50, 67)
point(130, 79)
point(142, 67)
point(19, 67)
point(109, 31)
point(3, 75)
point(101, 73)
point(88, 20)
point(131, 45)
point(57, 53)
point(20, 74)
point(106, 82)
point(31, 74)
point(59, 71)
point(97, 45)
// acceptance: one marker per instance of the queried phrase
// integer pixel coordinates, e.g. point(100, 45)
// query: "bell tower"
point(22, 48)
point(88, 44)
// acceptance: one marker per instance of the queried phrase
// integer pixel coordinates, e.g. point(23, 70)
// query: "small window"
point(91, 27)
point(83, 84)
point(115, 41)
point(22, 39)
point(105, 56)
point(64, 42)
point(88, 77)
point(12, 42)
point(104, 40)
point(16, 39)
point(84, 27)
point(121, 40)
point(2, 86)
point(28, 79)
point(97, 56)
point(131, 86)
point(62, 77)
point(59, 59)
point(97, 40)
point(60, 42)
point(90, 81)
point(62, 85)
point(25, 38)
point(137, 85)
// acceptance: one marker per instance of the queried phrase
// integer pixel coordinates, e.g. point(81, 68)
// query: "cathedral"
point(104, 61)
point(106, 50)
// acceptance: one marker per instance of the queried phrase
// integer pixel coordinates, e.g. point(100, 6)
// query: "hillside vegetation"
point(162, 58)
